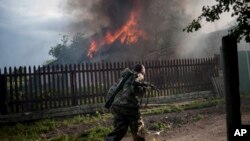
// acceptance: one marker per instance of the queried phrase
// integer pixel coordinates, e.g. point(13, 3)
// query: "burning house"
point(128, 29)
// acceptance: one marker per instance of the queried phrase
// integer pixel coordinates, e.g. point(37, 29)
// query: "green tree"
point(59, 50)
point(70, 51)
point(239, 8)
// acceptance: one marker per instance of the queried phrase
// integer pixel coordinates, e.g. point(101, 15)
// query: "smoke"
point(162, 20)
point(93, 15)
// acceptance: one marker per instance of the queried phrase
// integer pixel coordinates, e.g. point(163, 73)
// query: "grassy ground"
point(90, 127)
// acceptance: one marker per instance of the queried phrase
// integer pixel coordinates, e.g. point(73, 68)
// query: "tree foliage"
point(70, 51)
point(239, 8)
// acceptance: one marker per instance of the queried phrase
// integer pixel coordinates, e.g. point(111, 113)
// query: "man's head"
point(139, 68)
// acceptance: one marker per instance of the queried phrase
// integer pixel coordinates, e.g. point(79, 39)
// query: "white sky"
point(28, 28)
point(194, 7)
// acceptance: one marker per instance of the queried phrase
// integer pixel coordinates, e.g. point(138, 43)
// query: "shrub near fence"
point(27, 89)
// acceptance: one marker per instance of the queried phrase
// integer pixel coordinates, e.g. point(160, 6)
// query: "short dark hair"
point(138, 67)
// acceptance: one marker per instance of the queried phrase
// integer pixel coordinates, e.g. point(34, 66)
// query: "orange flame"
point(128, 34)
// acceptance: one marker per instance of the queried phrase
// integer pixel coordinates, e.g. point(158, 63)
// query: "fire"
point(128, 33)
point(92, 48)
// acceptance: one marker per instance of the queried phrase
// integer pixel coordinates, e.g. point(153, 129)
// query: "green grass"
point(97, 123)
point(32, 131)
point(158, 126)
point(245, 95)
point(197, 104)
point(88, 119)
point(198, 117)
point(204, 103)
point(96, 134)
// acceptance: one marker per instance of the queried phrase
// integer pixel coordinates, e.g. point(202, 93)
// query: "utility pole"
point(248, 65)
point(231, 77)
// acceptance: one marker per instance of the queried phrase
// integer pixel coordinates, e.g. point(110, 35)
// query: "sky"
point(28, 29)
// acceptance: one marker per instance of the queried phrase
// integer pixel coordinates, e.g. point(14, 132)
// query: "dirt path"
point(206, 124)
point(208, 129)
point(211, 127)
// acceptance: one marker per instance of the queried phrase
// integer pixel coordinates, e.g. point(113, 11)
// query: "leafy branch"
point(240, 9)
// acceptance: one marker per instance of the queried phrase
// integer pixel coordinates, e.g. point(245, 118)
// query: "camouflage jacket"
point(129, 96)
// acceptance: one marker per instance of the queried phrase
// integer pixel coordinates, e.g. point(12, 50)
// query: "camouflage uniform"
point(125, 110)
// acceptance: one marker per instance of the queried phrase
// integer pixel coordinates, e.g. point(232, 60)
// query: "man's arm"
point(136, 85)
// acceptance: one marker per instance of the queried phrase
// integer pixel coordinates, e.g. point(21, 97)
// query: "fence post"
point(216, 62)
point(72, 85)
point(231, 77)
point(3, 96)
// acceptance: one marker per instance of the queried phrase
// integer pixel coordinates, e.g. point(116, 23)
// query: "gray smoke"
point(92, 15)
point(162, 20)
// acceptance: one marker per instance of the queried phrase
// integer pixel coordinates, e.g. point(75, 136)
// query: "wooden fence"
point(27, 89)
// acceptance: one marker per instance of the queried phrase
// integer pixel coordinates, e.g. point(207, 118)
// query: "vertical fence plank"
point(160, 78)
point(96, 84)
point(50, 93)
point(163, 87)
point(63, 75)
point(100, 82)
point(200, 84)
point(40, 91)
point(169, 77)
point(79, 76)
point(25, 89)
point(58, 86)
point(45, 92)
point(93, 97)
point(30, 94)
point(88, 85)
point(72, 85)
point(166, 78)
point(195, 74)
point(113, 73)
point(84, 83)
point(21, 91)
point(54, 93)
point(67, 91)
point(75, 101)
point(147, 95)
point(103, 80)
point(172, 77)
point(191, 82)
point(182, 76)
point(153, 74)
point(108, 76)
point(16, 94)
point(150, 93)
point(3, 92)
point(185, 74)
point(7, 91)
point(34, 100)
point(177, 85)
point(118, 71)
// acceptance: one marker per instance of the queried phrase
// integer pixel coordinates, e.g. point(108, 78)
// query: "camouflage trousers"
point(122, 121)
